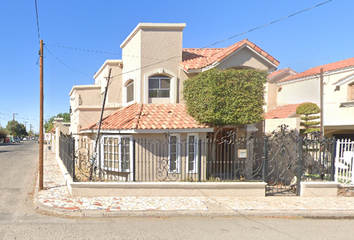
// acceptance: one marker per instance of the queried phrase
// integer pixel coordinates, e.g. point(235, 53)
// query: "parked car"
point(24, 139)
point(16, 140)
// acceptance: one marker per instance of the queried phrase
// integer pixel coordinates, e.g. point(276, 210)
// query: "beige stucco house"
point(296, 88)
point(145, 91)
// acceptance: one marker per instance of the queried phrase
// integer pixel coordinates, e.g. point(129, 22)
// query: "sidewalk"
point(56, 198)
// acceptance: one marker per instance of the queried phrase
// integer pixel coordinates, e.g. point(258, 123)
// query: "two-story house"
point(144, 97)
point(296, 88)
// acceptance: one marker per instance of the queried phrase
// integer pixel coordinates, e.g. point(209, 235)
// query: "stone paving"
point(56, 196)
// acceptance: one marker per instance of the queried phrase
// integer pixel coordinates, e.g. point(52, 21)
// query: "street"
point(20, 220)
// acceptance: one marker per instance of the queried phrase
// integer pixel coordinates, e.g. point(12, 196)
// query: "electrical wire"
point(39, 35)
point(65, 64)
point(267, 24)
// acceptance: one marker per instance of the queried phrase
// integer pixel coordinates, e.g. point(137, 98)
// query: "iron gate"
point(290, 159)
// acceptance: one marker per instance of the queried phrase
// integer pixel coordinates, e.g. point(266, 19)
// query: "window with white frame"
point(159, 86)
point(173, 154)
point(130, 91)
point(192, 153)
point(117, 153)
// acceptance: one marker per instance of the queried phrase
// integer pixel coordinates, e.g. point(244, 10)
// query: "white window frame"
point(196, 153)
point(159, 77)
point(131, 82)
point(178, 155)
point(119, 163)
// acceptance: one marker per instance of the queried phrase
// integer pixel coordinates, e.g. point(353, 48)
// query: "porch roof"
point(196, 58)
point(282, 111)
point(139, 116)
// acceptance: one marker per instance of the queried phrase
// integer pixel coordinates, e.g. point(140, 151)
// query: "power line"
point(65, 64)
point(82, 49)
point(280, 19)
point(39, 36)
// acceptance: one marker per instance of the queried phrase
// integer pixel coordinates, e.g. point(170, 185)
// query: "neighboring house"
point(144, 98)
point(338, 96)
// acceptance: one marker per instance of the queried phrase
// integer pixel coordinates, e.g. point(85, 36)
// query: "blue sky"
point(321, 35)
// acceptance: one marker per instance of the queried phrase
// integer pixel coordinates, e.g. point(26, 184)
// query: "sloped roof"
point(148, 116)
point(282, 111)
point(52, 130)
point(196, 58)
point(326, 68)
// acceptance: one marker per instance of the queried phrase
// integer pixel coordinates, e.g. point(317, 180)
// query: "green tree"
point(226, 97)
point(309, 112)
point(48, 125)
point(19, 129)
point(3, 133)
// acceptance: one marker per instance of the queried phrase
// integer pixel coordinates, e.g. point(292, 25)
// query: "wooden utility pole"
point(321, 101)
point(40, 168)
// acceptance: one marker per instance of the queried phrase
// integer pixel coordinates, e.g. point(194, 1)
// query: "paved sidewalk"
point(56, 198)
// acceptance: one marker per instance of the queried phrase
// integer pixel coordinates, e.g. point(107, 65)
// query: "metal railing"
point(67, 153)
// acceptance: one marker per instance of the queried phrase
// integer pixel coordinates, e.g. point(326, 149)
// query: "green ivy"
point(226, 97)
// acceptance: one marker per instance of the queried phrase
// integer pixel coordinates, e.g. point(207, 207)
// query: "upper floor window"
point(159, 86)
point(130, 91)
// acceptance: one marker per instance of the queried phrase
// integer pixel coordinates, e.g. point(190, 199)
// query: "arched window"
point(130, 90)
point(159, 86)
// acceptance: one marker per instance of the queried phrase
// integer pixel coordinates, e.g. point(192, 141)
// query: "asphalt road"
point(20, 220)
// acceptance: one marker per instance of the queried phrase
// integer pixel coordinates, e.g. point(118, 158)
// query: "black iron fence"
point(67, 153)
point(282, 159)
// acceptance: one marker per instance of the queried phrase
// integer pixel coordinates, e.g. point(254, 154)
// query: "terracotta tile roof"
point(277, 72)
point(282, 111)
point(326, 68)
point(196, 58)
point(52, 130)
point(149, 116)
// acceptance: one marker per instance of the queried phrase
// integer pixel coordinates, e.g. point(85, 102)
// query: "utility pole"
point(321, 101)
point(13, 126)
point(40, 167)
point(26, 126)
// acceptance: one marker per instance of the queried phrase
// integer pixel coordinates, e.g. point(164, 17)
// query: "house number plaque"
point(242, 153)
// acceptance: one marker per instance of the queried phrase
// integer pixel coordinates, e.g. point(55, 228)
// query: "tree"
point(18, 128)
point(226, 97)
point(309, 113)
point(3, 133)
point(48, 125)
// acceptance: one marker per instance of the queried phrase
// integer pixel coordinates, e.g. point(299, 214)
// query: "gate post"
point(265, 160)
point(333, 157)
point(200, 160)
point(133, 170)
point(299, 167)
point(73, 155)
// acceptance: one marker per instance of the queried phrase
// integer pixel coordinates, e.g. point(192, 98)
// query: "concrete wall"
point(273, 124)
point(299, 92)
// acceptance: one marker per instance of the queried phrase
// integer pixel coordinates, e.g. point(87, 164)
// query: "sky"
point(318, 36)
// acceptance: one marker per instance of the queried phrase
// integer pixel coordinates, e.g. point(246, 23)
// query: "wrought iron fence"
point(291, 159)
point(282, 159)
point(67, 153)
point(189, 159)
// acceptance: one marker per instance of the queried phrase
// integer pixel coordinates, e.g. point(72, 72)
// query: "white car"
point(24, 139)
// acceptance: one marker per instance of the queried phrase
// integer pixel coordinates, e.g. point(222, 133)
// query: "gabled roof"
point(282, 111)
point(148, 116)
point(326, 68)
point(281, 72)
point(196, 58)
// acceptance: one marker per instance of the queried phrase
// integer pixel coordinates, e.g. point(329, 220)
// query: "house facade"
point(144, 99)
point(297, 88)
